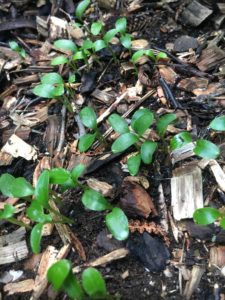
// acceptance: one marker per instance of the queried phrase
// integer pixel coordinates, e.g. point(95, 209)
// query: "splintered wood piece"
point(18, 148)
point(193, 283)
point(182, 153)
point(105, 259)
point(13, 252)
point(100, 186)
point(190, 84)
point(168, 74)
point(5, 159)
point(163, 209)
point(8, 92)
point(186, 190)
point(30, 119)
point(13, 237)
point(218, 174)
point(57, 28)
point(210, 58)
point(195, 13)
point(19, 287)
point(23, 132)
point(103, 96)
point(51, 133)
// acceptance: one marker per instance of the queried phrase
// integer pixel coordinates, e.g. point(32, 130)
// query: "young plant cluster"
point(40, 210)
point(92, 285)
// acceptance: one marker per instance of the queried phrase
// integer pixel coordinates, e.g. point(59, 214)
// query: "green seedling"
point(53, 86)
point(15, 47)
point(81, 8)
point(39, 198)
point(92, 285)
point(140, 123)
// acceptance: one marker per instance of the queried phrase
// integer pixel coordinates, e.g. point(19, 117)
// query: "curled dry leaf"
point(136, 201)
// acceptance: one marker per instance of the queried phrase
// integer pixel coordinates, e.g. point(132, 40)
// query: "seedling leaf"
point(35, 238)
point(206, 149)
point(58, 273)
point(150, 54)
point(41, 193)
point(67, 45)
point(77, 172)
point(59, 60)
point(36, 213)
point(52, 78)
point(206, 215)
point(88, 117)
point(58, 176)
point(126, 41)
point(6, 184)
point(121, 25)
point(137, 55)
point(109, 35)
point(142, 120)
point(118, 123)
point(180, 139)
point(133, 164)
point(95, 201)
point(117, 224)
point(86, 141)
point(218, 124)
point(124, 142)
point(147, 150)
point(99, 45)
point(81, 7)
point(7, 212)
point(96, 28)
point(48, 90)
point(15, 187)
point(163, 123)
point(93, 283)
point(161, 56)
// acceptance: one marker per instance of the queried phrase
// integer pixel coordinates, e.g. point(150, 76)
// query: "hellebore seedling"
point(39, 198)
point(141, 120)
point(81, 7)
point(18, 49)
point(92, 285)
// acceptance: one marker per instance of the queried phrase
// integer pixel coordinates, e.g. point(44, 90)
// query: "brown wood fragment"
point(105, 259)
point(218, 174)
point(19, 287)
point(51, 134)
point(169, 75)
point(189, 84)
point(26, 79)
point(217, 257)
point(100, 186)
point(22, 132)
point(186, 190)
point(8, 92)
point(182, 153)
point(193, 283)
point(210, 58)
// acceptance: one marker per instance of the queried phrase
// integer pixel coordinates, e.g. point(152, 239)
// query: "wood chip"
point(19, 287)
point(193, 283)
point(186, 191)
point(100, 186)
point(218, 174)
point(13, 252)
point(182, 153)
point(210, 58)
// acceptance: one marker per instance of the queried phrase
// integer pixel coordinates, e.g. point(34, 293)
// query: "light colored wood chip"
point(19, 287)
point(193, 283)
point(14, 237)
point(182, 153)
point(13, 252)
point(218, 174)
point(186, 190)
point(100, 186)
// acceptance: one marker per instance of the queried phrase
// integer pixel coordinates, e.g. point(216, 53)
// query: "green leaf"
point(41, 193)
point(109, 35)
point(81, 7)
point(95, 201)
point(126, 41)
point(7, 212)
point(52, 78)
point(48, 90)
point(117, 223)
point(59, 60)
point(96, 27)
point(137, 55)
point(35, 238)
point(88, 117)
point(180, 139)
point(6, 184)
point(58, 176)
point(124, 142)
point(206, 215)
point(58, 272)
point(14, 46)
point(87, 44)
point(78, 55)
point(142, 120)
point(222, 223)
point(64, 44)
point(121, 25)
point(93, 283)
point(73, 288)
point(86, 141)
point(118, 123)
point(163, 123)
point(150, 54)
point(206, 149)
point(161, 56)
point(218, 123)
point(147, 150)
point(99, 45)
point(15, 187)
point(77, 172)
point(36, 213)
point(72, 78)
point(133, 164)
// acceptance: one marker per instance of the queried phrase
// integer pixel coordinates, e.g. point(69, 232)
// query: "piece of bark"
point(182, 153)
point(195, 13)
point(217, 257)
point(186, 191)
point(218, 174)
point(13, 252)
point(100, 186)
point(22, 132)
point(135, 201)
point(19, 287)
point(52, 133)
point(210, 58)
point(193, 283)
point(184, 43)
point(103, 96)
point(169, 75)
point(189, 84)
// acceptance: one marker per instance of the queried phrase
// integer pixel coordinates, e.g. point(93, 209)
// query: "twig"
point(62, 130)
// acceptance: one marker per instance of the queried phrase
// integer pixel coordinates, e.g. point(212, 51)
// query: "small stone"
point(184, 43)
